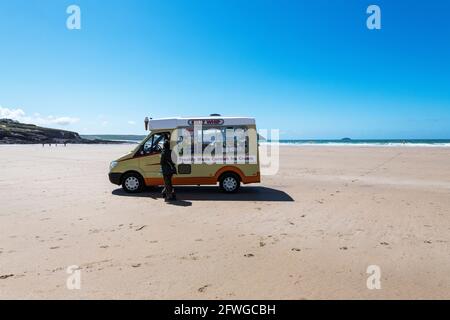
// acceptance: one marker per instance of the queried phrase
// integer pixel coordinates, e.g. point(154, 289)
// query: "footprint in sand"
point(384, 243)
point(192, 256)
point(53, 248)
point(136, 265)
point(203, 289)
point(428, 242)
point(249, 255)
point(343, 248)
point(262, 243)
point(6, 276)
point(296, 249)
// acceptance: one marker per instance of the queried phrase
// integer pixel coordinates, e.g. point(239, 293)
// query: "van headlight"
point(113, 164)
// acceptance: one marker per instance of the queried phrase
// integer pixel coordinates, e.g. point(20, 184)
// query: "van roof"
point(172, 123)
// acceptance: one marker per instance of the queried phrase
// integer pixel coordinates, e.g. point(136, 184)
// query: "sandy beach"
point(310, 232)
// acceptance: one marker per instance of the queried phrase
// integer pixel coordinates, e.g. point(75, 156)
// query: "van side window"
point(147, 145)
point(240, 140)
point(155, 143)
point(214, 140)
point(211, 139)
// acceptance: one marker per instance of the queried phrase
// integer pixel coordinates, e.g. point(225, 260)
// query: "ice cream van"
point(206, 150)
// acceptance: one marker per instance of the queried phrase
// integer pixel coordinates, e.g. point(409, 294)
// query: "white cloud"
point(131, 122)
point(63, 121)
point(20, 115)
point(11, 113)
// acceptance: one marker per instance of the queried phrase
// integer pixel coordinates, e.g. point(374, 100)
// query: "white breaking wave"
point(363, 144)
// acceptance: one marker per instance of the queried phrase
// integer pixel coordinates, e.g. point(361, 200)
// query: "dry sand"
point(309, 232)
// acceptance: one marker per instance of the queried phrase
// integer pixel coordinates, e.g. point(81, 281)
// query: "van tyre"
point(132, 183)
point(229, 183)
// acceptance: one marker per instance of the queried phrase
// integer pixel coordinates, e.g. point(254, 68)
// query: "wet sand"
point(310, 232)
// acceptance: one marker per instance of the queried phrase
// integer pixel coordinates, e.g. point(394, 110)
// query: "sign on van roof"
point(206, 122)
point(171, 123)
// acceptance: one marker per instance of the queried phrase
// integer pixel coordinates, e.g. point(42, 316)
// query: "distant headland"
point(14, 132)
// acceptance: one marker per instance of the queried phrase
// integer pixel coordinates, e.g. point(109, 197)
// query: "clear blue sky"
point(309, 68)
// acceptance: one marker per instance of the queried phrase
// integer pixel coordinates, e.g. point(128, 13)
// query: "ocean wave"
point(362, 144)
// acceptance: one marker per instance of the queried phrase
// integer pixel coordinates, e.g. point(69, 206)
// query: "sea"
point(312, 142)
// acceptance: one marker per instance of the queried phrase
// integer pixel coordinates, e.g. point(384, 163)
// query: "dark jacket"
point(167, 165)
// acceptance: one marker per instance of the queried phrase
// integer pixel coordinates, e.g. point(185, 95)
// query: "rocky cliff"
point(14, 132)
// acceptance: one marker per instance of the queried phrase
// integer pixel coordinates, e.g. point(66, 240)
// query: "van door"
point(150, 157)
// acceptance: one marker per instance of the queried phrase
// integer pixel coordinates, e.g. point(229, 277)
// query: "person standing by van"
point(168, 170)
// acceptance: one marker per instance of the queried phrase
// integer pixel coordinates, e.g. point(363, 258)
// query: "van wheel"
point(229, 183)
point(133, 183)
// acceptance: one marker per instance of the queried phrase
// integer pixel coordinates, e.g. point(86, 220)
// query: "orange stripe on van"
point(176, 180)
point(181, 181)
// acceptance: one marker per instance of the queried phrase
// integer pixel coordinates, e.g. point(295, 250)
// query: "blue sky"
point(310, 68)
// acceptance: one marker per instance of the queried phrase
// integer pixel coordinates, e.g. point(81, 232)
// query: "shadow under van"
point(210, 193)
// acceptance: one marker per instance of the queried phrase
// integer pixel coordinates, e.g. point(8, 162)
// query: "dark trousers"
point(168, 188)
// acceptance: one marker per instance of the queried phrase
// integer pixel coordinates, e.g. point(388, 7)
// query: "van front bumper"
point(115, 178)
